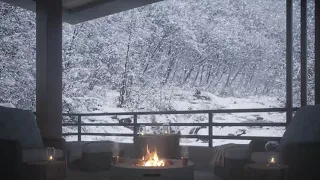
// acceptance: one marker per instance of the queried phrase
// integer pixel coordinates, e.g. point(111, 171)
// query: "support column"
point(49, 68)
point(289, 61)
point(303, 55)
point(317, 51)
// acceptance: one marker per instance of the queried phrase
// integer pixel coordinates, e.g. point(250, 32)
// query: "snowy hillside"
point(228, 48)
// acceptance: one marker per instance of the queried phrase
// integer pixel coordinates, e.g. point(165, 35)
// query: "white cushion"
point(17, 124)
point(35, 155)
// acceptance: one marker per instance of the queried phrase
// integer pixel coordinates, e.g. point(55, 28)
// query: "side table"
point(43, 170)
point(260, 171)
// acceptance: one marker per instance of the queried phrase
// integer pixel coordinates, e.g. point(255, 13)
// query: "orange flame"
point(152, 159)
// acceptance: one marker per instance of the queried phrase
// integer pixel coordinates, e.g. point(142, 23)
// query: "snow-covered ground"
point(179, 100)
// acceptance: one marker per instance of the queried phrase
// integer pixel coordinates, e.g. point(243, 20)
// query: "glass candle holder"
point(184, 161)
point(142, 130)
point(115, 159)
point(166, 128)
point(51, 153)
point(271, 146)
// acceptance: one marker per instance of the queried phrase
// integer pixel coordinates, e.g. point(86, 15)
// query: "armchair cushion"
point(303, 160)
point(20, 125)
point(304, 127)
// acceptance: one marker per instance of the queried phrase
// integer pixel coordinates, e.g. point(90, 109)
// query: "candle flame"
point(50, 158)
point(272, 160)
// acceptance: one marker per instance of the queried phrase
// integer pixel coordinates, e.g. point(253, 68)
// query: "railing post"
point(304, 52)
point(210, 128)
point(135, 128)
point(79, 128)
point(317, 51)
point(289, 61)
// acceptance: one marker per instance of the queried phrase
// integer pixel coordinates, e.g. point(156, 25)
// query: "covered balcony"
point(80, 157)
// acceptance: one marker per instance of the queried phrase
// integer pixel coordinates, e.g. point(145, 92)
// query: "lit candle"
point(115, 159)
point(184, 161)
point(142, 130)
point(50, 154)
point(165, 128)
point(272, 161)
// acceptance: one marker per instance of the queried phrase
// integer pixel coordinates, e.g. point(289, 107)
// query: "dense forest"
point(225, 47)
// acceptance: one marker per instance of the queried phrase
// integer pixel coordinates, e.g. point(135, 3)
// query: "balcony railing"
point(210, 123)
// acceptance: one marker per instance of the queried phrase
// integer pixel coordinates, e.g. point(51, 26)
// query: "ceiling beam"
point(88, 12)
point(77, 11)
point(87, 5)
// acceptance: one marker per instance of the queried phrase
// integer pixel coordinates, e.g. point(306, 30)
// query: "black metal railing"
point(210, 123)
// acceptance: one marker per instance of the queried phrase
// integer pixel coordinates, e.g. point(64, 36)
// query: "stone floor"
point(78, 175)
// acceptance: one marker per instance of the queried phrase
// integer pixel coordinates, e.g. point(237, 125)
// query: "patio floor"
point(78, 175)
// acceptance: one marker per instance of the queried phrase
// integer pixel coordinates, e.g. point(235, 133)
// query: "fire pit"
point(151, 166)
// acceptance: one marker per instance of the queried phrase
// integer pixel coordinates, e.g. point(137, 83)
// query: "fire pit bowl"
point(130, 169)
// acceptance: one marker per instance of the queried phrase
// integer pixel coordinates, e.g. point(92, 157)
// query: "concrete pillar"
point(317, 51)
point(49, 68)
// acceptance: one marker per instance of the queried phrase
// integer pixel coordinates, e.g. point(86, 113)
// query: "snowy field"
point(180, 100)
